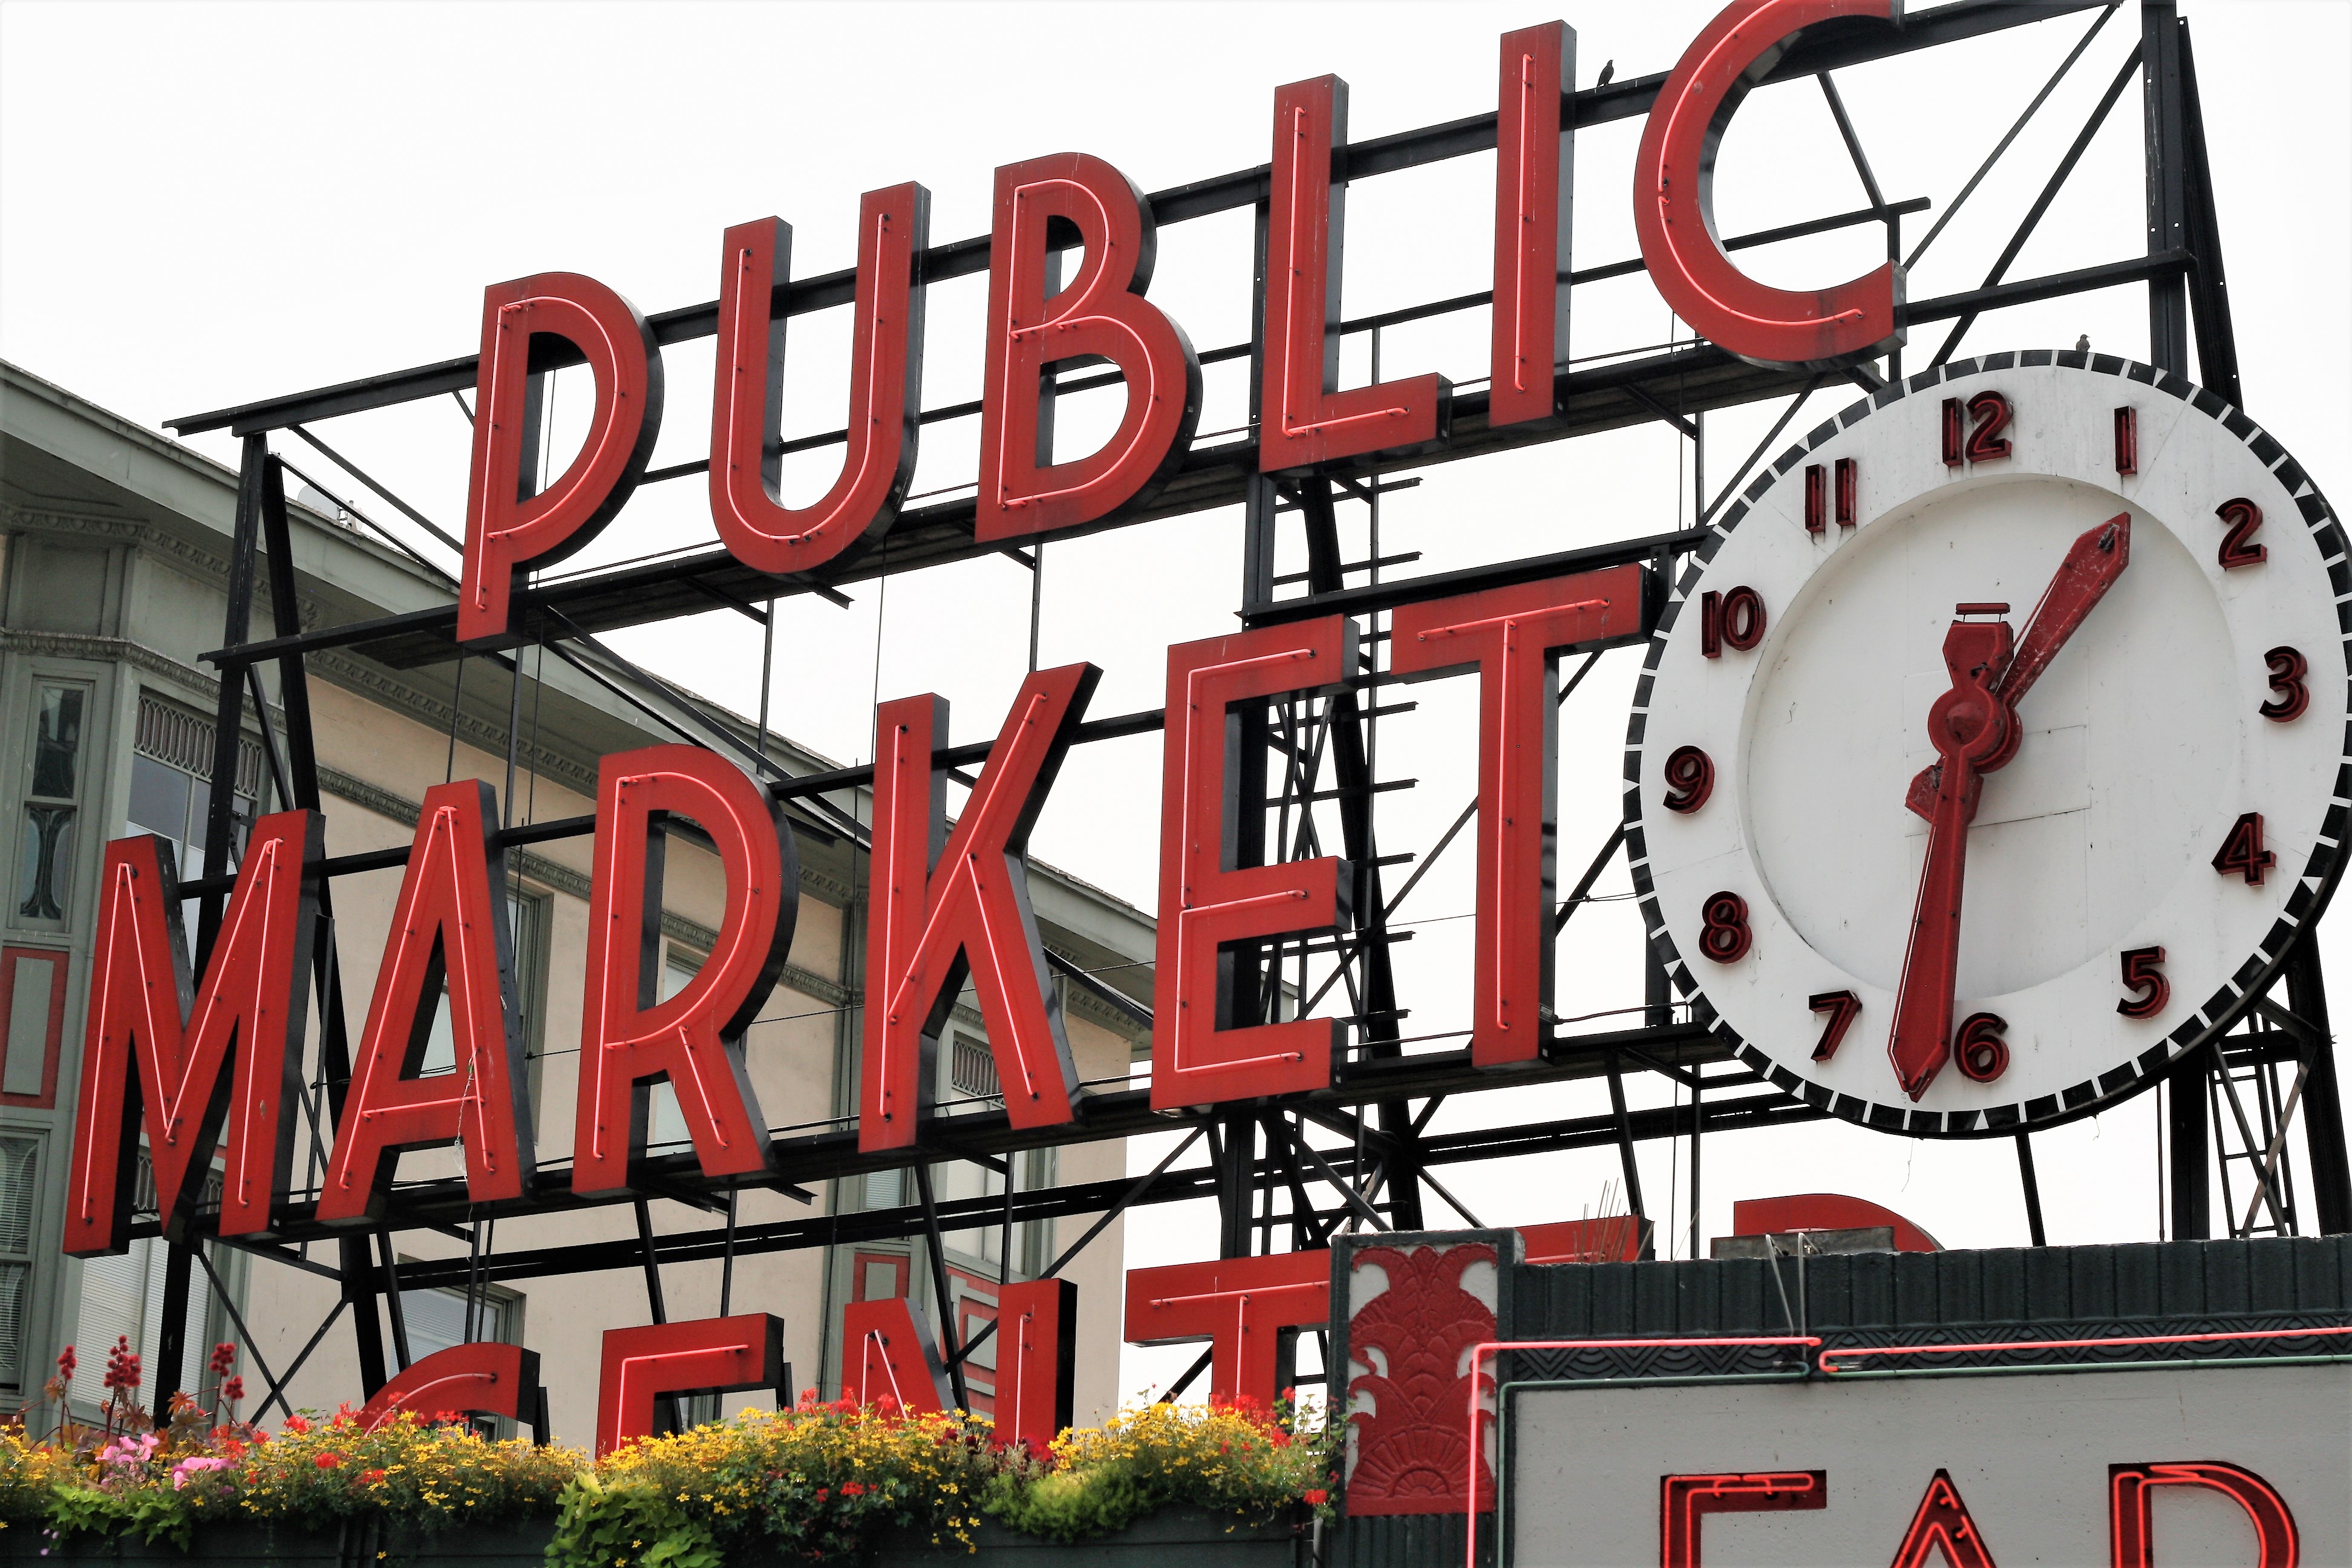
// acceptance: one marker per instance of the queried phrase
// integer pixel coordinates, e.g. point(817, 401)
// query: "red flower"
point(852, 1488)
point(67, 1363)
point(1281, 1438)
point(122, 1365)
point(327, 1461)
point(1316, 1496)
point(223, 1360)
point(370, 1477)
point(296, 1424)
point(232, 1389)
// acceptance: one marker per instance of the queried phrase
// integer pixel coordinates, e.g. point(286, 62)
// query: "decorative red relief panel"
point(1415, 1338)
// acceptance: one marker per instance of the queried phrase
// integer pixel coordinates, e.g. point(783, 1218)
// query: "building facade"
point(113, 583)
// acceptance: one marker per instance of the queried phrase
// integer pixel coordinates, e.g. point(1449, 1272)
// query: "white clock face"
point(2127, 806)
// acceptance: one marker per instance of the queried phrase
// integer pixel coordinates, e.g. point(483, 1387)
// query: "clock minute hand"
point(2092, 563)
point(1969, 724)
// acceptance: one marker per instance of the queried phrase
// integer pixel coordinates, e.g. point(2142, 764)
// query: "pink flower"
point(186, 1468)
point(128, 1451)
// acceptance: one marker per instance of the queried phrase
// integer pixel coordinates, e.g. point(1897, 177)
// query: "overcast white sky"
point(203, 204)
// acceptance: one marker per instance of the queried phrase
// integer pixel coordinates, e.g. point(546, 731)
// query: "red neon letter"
point(1514, 636)
point(1240, 1305)
point(1206, 898)
point(1943, 1526)
point(155, 1053)
point(478, 1380)
point(2131, 1520)
point(1304, 419)
point(1534, 166)
point(1102, 312)
point(889, 1357)
point(1685, 1501)
point(1673, 209)
point(508, 528)
point(709, 1355)
point(886, 376)
point(695, 1039)
point(930, 928)
point(446, 925)
point(1036, 1362)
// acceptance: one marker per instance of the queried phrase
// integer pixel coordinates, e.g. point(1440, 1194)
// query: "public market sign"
point(2154, 531)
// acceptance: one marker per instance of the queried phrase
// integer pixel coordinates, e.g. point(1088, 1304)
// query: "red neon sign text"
point(695, 1039)
point(890, 1358)
point(886, 375)
point(482, 1379)
point(1684, 1501)
point(508, 528)
point(2131, 1515)
point(446, 925)
point(1240, 1305)
point(1942, 1532)
point(1207, 898)
point(1534, 167)
point(1513, 635)
point(1305, 420)
point(931, 928)
point(1037, 1361)
point(155, 1051)
point(709, 1355)
point(1033, 325)
point(1674, 177)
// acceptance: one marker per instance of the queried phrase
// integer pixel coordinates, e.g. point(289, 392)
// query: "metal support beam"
point(2323, 1103)
point(2032, 1190)
point(2167, 165)
point(2187, 1090)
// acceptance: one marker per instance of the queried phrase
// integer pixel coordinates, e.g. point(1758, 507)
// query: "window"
point(124, 1296)
point(435, 1320)
point(19, 1192)
point(170, 789)
point(526, 920)
point(45, 860)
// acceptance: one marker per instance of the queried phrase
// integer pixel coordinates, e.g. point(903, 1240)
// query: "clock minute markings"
point(1974, 731)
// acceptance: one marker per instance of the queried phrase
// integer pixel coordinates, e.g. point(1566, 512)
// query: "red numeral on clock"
point(1842, 1008)
point(2142, 974)
point(2128, 441)
point(1982, 1054)
point(1955, 434)
point(1725, 937)
point(1993, 412)
point(2287, 670)
point(1733, 620)
point(1817, 498)
point(2244, 517)
point(1848, 472)
point(2242, 850)
point(1690, 779)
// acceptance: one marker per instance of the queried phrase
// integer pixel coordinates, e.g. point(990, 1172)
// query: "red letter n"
point(1534, 166)
point(886, 376)
point(1685, 1501)
point(693, 1040)
point(1240, 1305)
point(508, 528)
point(1303, 420)
point(2131, 1517)
point(1033, 324)
point(1514, 636)
point(156, 1047)
point(447, 926)
point(1209, 895)
point(890, 1359)
point(931, 927)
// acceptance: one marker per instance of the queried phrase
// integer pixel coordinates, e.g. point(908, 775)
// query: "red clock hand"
point(1969, 725)
point(2096, 559)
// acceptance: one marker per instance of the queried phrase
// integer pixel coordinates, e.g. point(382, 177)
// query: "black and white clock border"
point(2313, 881)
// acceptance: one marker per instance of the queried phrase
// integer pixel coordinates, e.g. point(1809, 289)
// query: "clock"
point(1990, 752)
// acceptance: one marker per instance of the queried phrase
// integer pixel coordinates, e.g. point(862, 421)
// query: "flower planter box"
point(354, 1545)
point(1180, 1538)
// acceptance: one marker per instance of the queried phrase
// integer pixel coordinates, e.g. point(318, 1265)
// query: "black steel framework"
point(1262, 1169)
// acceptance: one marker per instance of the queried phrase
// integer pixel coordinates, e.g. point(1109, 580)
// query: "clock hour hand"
point(2091, 566)
point(1967, 725)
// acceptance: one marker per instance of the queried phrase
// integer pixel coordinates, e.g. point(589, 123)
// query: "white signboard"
point(2236, 1467)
